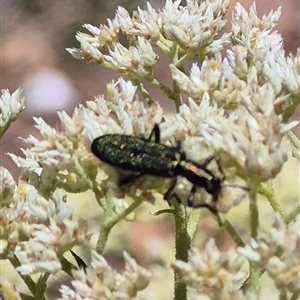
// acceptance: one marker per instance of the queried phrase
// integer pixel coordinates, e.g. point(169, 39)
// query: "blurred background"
point(34, 35)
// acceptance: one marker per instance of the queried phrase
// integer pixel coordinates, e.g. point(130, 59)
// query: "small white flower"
point(10, 107)
point(278, 253)
point(201, 80)
point(35, 257)
point(212, 273)
point(246, 25)
point(100, 281)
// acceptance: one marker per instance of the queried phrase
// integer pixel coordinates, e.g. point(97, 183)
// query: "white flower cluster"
point(193, 28)
point(101, 282)
point(251, 138)
point(35, 229)
point(254, 85)
point(213, 274)
point(237, 109)
point(50, 162)
point(255, 82)
point(218, 275)
point(10, 107)
point(278, 253)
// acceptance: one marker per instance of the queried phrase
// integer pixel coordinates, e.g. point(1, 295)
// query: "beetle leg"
point(209, 159)
point(191, 198)
point(212, 209)
point(170, 192)
point(220, 169)
point(156, 133)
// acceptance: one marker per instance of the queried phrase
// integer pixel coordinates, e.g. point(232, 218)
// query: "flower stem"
point(296, 143)
point(267, 190)
point(167, 91)
point(232, 232)
point(295, 296)
point(254, 224)
point(109, 224)
point(192, 223)
point(41, 286)
point(141, 88)
point(291, 216)
point(3, 130)
point(254, 215)
point(182, 245)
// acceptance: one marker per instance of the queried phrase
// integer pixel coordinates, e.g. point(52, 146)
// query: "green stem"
point(254, 277)
point(254, 224)
point(109, 224)
point(291, 217)
point(181, 62)
point(102, 240)
point(182, 245)
point(192, 223)
point(167, 91)
point(296, 143)
point(141, 88)
point(26, 297)
point(178, 99)
point(67, 266)
point(283, 295)
point(295, 296)
point(174, 52)
point(90, 183)
point(41, 286)
point(165, 46)
point(254, 215)
point(3, 130)
point(290, 109)
point(267, 190)
point(232, 232)
point(294, 139)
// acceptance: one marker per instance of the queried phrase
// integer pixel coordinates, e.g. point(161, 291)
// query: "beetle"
point(149, 157)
